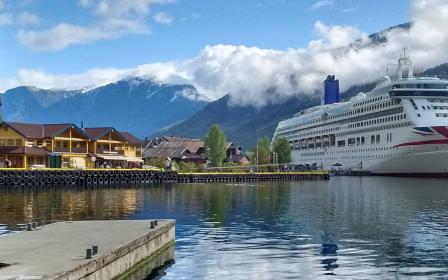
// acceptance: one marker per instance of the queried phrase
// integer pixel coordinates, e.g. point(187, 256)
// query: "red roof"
point(131, 138)
point(31, 130)
point(96, 133)
point(51, 130)
point(21, 150)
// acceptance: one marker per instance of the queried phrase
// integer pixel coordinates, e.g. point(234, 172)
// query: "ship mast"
point(405, 63)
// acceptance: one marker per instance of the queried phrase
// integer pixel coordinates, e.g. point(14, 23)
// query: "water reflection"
point(345, 228)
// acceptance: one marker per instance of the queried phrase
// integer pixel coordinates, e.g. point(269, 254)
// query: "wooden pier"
point(90, 250)
point(120, 177)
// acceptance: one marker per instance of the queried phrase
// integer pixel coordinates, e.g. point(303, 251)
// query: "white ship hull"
point(409, 153)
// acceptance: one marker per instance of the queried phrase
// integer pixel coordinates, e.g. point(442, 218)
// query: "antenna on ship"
point(405, 63)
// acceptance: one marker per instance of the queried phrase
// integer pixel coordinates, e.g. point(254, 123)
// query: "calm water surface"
point(345, 228)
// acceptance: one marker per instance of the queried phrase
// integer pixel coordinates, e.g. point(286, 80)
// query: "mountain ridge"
point(136, 105)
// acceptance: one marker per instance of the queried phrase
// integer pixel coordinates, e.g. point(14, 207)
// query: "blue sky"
point(170, 30)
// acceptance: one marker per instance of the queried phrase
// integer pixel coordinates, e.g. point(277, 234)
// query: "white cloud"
point(119, 8)
point(321, 4)
point(26, 18)
point(163, 18)
point(257, 76)
point(335, 36)
point(6, 19)
point(64, 35)
point(114, 18)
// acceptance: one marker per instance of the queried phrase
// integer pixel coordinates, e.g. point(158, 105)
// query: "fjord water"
point(344, 228)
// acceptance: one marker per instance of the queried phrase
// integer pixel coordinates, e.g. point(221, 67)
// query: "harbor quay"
point(91, 250)
point(116, 177)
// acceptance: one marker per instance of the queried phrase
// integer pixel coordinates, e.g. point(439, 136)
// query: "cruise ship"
point(398, 128)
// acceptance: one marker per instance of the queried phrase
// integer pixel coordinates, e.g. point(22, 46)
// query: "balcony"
point(111, 152)
point(61, 150)
point(79, 150)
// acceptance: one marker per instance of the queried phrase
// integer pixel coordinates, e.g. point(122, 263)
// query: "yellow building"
point(113, 148)
point(25, 145)
point(133, 149)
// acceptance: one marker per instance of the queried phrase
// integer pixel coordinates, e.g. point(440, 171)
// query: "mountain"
point(440, 71)
point(137, 105)
point(380, 37)
point(242, 123)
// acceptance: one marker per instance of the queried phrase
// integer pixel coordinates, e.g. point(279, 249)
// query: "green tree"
point(215, 145)
point(263, 153)
point(283, 150)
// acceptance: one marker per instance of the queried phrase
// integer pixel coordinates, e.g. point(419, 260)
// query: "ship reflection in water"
point(345, 228)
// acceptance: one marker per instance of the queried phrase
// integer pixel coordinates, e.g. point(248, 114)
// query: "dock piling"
point(94, 249)
point(88, 253)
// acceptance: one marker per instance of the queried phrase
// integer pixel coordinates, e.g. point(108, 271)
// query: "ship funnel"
point(405, 67)
point(330, 91)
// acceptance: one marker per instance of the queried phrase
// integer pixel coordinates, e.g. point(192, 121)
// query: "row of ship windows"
point(369, 101)
point(301, 142)
point(378, 121)
point(352, 157)
point(438, 100)
point(429, 107)
point(327, 130)
point(442, 115)
point(374, 139)
point(354, 125)
point(427, 86)
point(375, 128)
point(315, 143)
point(376, 149)
point(354, 112)
point(370, 108)
point(438, 115)
point(438, 107)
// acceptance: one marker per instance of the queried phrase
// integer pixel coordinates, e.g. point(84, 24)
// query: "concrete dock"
point(58, 251)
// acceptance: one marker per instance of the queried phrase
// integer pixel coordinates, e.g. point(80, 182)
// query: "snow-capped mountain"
point(136, 105)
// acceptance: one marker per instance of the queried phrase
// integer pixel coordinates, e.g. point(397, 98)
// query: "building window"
point(377, 139)
point(2, 142)
point(372, 139)
point(351, 141)
point(19, 142)
point(10, 142)
point(363, 140)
